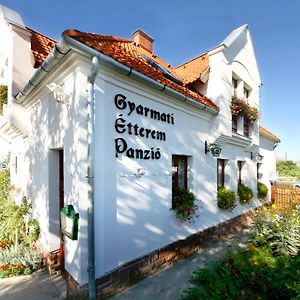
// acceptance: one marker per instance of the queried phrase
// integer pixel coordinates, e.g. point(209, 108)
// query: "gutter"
point(90, 177)
point(66, 44)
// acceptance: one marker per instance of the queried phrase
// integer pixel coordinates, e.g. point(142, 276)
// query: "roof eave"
point(66, 44)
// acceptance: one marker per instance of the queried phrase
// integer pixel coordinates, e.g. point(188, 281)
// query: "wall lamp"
point(58, 93)
point(3, 166)
point(215, 149)
point(256, 156)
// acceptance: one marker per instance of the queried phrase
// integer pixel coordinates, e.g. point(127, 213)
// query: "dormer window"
point(246, 92)
point(234, 86)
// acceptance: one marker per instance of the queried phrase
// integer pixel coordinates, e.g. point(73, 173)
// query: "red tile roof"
point(267, 133)
point(41, 46)
point(194, 68)
point(128, 53)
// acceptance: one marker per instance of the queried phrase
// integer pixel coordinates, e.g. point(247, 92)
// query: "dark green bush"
point(262, 191)
point(183, 204)
point(245, 194)
point(226, 198)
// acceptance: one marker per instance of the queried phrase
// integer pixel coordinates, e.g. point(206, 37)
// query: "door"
point(61, 205)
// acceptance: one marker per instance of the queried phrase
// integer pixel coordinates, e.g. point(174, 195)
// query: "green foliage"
point(17, 261)
point(33, 230)
point(264, 271)
point(245, 194)
point(251, 274)
point(16, 257)
point(183, 204)
point(278, 231)
point(12, 224)
point(226, 198)
point(288, 168)
point(262, 191)
point(3, 96)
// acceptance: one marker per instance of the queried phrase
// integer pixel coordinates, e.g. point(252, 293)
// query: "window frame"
point(221, 165)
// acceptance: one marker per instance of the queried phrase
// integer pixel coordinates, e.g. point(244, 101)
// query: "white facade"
point(133, 195)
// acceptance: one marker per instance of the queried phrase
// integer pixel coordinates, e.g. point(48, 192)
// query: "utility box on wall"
point(69, 222)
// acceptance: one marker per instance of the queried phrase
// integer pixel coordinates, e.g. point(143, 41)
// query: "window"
point(246, 92)
point(234, 86)
point(179, 173)
point(240, 168)
point(220, 172)
point(247, 129)
point(258, 165)
point(234, 124)
point(179, 166)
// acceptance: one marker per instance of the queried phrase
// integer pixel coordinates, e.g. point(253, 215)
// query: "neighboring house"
point(266, 169)
point(107, 126)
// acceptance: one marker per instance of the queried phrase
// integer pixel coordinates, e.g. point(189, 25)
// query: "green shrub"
point(279, 232)
point(251, 274)
point(262, 191)
point(183, 204)
point(226, 198)
point(17, 261)
point(245, 194)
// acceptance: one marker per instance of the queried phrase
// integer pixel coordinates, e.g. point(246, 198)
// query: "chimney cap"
point(143, 33)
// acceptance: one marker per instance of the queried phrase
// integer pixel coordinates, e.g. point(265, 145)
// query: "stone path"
point(38, 286)
point(169, 283)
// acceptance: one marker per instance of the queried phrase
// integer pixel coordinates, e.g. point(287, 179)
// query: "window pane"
point(181, 173)
point(220, 172)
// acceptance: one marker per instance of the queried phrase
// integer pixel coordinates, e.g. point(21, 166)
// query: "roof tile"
point(193, 69)
point(41, 46)
point(129, 53)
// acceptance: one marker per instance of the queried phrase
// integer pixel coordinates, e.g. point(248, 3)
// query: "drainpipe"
point(90, 177)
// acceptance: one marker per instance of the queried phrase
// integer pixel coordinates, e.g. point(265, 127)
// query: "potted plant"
point(183, 204)
point(245, 194)
point(262, 191)
point(226, 198)
point(239, 107)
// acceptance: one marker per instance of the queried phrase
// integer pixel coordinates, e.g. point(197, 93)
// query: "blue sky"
point(185, 29)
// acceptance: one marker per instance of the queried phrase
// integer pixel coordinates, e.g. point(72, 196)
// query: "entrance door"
point(61, 205)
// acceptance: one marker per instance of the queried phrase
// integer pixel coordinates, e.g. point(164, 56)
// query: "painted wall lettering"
point(130, 106)
point(123, 126)
point(122, 147)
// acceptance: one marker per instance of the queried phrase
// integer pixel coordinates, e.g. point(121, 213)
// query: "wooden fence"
point(284, 196)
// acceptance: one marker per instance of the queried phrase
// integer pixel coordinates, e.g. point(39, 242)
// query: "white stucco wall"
point(268, 167)
point(132, 214)
point(55, 126)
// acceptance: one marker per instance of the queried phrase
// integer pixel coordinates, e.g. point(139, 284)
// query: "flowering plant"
point(183, 204)
point(241, 107)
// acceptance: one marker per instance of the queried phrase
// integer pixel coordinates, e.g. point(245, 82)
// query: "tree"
point(288, 168)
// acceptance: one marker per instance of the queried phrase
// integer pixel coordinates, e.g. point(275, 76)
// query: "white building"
point(149, 119)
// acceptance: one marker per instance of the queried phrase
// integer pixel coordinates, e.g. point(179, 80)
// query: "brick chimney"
point(143, 39)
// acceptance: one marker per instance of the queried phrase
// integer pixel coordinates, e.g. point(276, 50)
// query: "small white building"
point(107, 126)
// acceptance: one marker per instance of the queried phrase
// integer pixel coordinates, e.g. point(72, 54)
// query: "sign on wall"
point(123, 126)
